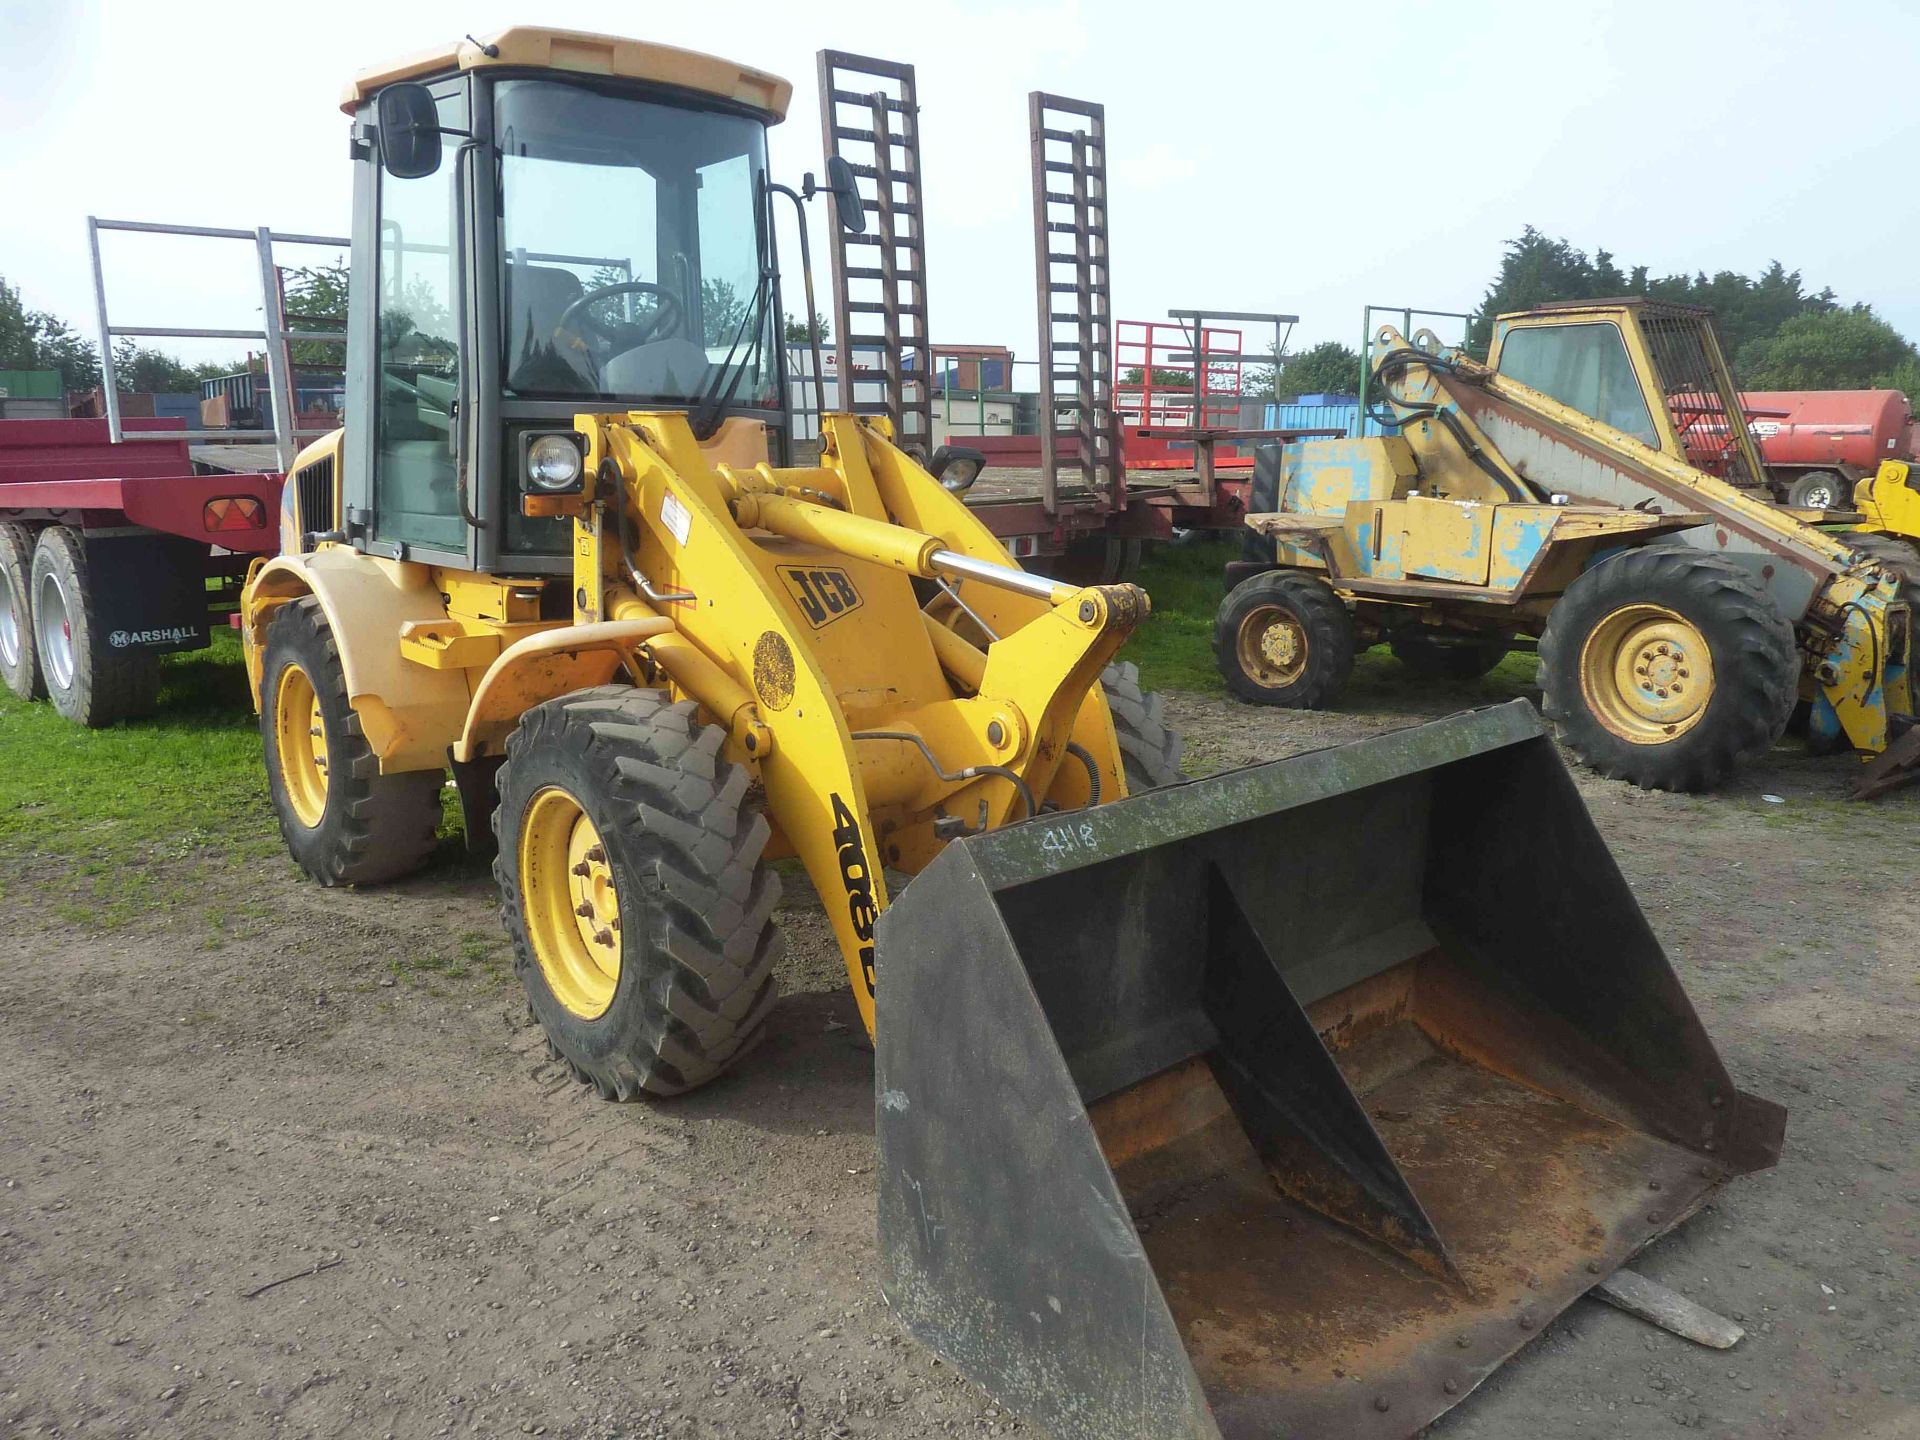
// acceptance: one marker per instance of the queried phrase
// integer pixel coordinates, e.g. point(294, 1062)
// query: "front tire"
point(1668, 668)
point(1149, 747)
point(1284, 638)
point(344, 822)
point(634, 889)
point(88, 681)
point(19, 661)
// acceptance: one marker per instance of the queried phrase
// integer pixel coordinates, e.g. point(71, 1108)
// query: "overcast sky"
point(1267, 157)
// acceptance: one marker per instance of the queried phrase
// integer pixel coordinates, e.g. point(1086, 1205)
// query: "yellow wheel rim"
point(572, 908)
point(1272, 645)
point(301, 732)
point(1647, 674)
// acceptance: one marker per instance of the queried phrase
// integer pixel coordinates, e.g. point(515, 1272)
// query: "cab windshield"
point(634, 262)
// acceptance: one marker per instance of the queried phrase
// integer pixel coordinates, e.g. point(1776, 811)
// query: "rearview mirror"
point(409, 125)
point(845, 188)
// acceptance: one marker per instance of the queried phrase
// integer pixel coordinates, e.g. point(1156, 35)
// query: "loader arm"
point(795, 623)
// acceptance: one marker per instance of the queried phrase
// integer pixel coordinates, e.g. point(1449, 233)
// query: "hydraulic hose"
point(1085, 757)
point(970, 772)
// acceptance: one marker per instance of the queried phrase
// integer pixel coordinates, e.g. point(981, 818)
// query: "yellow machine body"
point(794, 623)
point(1889, 500)
point(1496, 495)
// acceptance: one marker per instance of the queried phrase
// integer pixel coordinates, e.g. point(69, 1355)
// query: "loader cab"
point(1652, 370)
point(547, 223)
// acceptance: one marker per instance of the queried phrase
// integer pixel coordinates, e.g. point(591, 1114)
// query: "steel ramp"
point(1291, 1101)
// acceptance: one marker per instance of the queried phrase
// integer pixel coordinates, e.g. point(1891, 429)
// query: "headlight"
point(957, 466)
point(553, 463)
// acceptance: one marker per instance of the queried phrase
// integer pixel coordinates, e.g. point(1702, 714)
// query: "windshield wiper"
point(713, 400)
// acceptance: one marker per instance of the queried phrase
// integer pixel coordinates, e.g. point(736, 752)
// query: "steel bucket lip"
point(1049, 845)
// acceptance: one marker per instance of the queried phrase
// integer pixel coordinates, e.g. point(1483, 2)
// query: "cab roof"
point(1616, 302)
point(530, 47)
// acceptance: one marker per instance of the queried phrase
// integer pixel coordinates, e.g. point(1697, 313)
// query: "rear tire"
point(1429, 656)
point(666, 979)
point(1149, 748)
point(344, 822)
point(1668, 668)
point(1900, 556)
point(88, 681)
point(1819, 490)
point(19, 662)
point(1284, 638)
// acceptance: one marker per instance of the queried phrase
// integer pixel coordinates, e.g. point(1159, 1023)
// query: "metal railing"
point(275, 336)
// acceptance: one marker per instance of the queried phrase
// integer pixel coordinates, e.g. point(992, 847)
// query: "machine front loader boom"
point(794, 621)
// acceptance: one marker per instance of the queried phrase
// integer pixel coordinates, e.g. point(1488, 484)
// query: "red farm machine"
point(123, 539)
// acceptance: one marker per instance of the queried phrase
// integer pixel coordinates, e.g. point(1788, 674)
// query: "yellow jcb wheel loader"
point(1156, 1061)
point(1549, 493)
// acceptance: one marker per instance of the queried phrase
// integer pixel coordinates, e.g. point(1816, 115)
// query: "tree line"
point(1777, 334)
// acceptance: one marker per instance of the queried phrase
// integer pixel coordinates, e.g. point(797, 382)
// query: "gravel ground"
point(263, 1080)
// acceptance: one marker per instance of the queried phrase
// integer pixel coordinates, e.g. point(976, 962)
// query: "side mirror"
point(845, 189)
point(409, 128)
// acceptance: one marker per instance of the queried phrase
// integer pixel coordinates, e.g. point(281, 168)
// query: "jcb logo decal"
point(825, 592)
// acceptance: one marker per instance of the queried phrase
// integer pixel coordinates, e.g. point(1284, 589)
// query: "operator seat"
point(674, 366)
point(536, 297)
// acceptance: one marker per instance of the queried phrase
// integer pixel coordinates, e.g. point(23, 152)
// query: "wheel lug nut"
point(598, 855)
point(582, 869)
point(583, 910)
point(603, 937)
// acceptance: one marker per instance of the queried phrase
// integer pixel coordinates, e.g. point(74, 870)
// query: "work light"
point(554, 465)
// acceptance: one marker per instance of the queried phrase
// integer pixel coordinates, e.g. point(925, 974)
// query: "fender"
point(410, 713)
point(542, 667)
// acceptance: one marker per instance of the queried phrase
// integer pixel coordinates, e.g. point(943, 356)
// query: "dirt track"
point(188, 1111)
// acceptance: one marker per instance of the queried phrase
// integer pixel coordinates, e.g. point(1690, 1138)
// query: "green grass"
point(177, 785)
point(105, 820)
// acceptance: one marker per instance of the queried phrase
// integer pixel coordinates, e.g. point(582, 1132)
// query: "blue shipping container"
point(1322, 417)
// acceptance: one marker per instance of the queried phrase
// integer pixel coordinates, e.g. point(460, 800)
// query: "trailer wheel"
point(635, 890)
point(1668, 668)
point(1818, 490)
point(1433, 657)
point(344, 822)
point(1149, 747)
point(1284, 638)
point(87, 679)
point(19, 664)
point(1092, 560)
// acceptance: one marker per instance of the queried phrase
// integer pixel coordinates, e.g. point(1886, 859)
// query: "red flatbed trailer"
point(112, 554)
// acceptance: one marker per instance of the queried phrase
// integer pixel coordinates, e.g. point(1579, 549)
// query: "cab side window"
point(416, 486)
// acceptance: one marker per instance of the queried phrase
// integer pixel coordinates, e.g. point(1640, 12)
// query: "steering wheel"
point(622, 334)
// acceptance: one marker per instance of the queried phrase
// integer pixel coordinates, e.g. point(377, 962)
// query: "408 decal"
point(858, 882)
point(825, 592)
